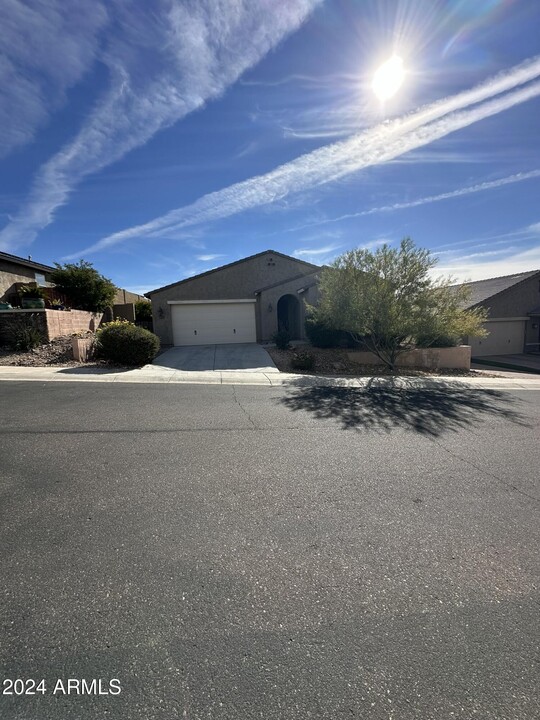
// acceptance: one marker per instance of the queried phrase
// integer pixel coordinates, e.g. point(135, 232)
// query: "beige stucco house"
point(250, 299)
point(15, 270)
point(244, 301)
point(513, 305)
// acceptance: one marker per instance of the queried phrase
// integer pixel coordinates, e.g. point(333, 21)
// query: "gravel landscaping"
point(57, 352)
point(334, 361)
point(328, 361)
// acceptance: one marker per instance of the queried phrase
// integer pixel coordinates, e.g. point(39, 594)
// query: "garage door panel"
point(505, 338)
point(213, 323)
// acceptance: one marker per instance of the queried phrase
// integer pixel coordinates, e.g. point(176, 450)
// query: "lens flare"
point(388, 78)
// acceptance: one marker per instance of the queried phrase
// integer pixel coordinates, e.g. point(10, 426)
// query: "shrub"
point(281, 339)
point(23, 333)
point(143, 310)
point(123, 343)
point(427, 341)
point(389, 298)
point(32, 291)
point(303, 361)
point(325, 337)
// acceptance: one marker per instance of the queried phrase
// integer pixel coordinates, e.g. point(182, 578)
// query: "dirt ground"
point(334, 361)
point(56, 352)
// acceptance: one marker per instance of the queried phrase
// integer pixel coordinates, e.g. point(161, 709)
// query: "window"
point(40, 278)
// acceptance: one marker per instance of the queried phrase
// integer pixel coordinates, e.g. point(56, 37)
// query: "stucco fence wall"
point(448, 358)
point(55, 323)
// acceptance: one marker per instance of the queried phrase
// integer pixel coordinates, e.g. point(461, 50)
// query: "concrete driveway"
point(239, 356)
point(522, 362)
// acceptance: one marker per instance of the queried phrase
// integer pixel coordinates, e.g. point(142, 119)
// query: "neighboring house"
point(513, 304)
point(14, 270)
point(245, 301)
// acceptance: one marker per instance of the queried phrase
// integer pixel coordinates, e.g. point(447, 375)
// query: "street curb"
point(149, 374)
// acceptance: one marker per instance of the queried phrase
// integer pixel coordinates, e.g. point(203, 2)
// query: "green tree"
point(143, 310)
point(389, 301)
point(84, 287)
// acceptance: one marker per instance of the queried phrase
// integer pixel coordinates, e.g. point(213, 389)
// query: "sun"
point(388, 78)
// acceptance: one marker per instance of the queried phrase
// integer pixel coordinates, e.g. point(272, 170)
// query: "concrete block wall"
point(56, 323)
point(61, 322)
point(450, 358)
point(126, 311)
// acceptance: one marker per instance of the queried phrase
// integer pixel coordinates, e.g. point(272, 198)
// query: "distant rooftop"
point(483, 289)
point(25, 262)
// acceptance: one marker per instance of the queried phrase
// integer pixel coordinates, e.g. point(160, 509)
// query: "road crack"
point(243, 409)
point(485, 472)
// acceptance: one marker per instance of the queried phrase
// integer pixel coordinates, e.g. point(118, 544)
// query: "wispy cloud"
point(45, 48)
point(462, 264)
point(325, 254)
point(317, 81)
point(460, 192)
point(310, 252)
point(165, 60)
point(377, 145)
point(464, 268)
point(208, 258)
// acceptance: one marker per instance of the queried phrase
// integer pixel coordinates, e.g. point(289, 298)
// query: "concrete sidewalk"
point(153, 374)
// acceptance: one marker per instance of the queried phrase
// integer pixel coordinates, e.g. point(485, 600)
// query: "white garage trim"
point(509, 319)
point(208, 302)
point(213, 323)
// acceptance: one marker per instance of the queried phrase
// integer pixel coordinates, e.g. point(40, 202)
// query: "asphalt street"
point(255, 552)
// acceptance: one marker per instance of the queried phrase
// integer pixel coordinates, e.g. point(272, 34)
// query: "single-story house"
point(250, 299)
point(244, 301)
point(513, 304)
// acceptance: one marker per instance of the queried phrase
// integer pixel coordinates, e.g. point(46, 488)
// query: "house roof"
point(26, 262)
point(236, 262)
point(290, 279)
point(482, 290)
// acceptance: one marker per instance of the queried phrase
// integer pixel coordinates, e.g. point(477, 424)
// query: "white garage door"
point(505, 338)
point(209, 323)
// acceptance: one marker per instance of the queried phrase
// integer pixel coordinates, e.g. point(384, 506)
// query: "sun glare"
point(388, 78)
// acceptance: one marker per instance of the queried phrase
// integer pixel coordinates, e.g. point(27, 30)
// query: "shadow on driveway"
point(388, 406)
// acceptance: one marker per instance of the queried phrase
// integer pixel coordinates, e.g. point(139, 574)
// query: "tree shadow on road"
point(385, 406)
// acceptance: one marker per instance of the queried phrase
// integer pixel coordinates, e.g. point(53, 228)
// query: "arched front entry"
point(288, 314)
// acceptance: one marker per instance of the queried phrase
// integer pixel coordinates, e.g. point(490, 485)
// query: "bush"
point(427, 341)
point(32, 291)
point(123, 343)
point(324, 337)
point(303, 361)
point(23, 333)
point(281, 339)
point(390, 298)
point(143, 310)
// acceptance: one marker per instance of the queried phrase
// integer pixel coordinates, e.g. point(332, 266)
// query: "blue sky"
point(159, 140)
